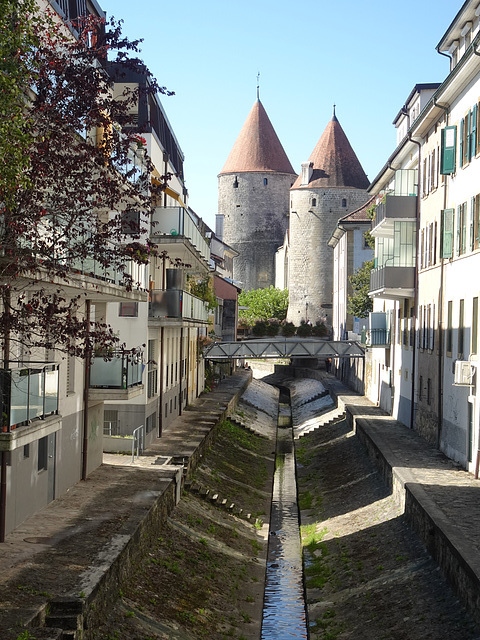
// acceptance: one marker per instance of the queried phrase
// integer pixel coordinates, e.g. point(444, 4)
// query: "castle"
point(264, 205)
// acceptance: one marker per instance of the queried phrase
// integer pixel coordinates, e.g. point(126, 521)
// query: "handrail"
point(138, 438)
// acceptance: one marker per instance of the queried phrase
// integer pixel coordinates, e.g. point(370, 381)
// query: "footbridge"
point(284, 348)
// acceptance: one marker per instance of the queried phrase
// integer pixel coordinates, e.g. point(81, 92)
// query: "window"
point(461, 330)
point(314, 202)
point(448, 150)
point(42, 454)
point(473, 349)
point(26, 451)
point(429, 391)
point(447, 239)
point(411, 339)
point(265, 181)
point(235, 183)
point(150, 422)
point(461, 229)
point(344, 202)
point(475, 213)
point(420, 387)
point(166, 409)
point(128, 310)
point(449, 336)
point(130, 223)
point(111, 426)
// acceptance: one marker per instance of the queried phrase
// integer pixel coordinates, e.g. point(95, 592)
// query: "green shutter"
point(473, 140)
point(460, 155)
point(448, 151)
point(447, 235)
point(468, 124)
point(459, 228)
point(472, 230)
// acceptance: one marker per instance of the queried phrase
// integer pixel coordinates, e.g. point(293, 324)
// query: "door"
point(51, 446)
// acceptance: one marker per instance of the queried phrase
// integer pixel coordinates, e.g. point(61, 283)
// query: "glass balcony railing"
point(122, 371)
point(175, 303)
point(28, 393)
point(176, 221)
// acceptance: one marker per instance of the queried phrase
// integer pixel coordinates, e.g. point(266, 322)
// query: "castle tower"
point(331, 184)
point(253, 194)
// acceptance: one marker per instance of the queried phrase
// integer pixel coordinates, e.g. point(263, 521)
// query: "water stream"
point(284, 614)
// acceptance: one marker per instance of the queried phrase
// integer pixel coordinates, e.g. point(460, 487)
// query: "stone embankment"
point(64, 568)
point(367, 486)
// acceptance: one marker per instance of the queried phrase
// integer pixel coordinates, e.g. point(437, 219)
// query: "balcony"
point(177, 304)
point(171, 225)
point(393, 209)
point(378, 334)
point(118, 378)
point(28, 393)
point(392, 282)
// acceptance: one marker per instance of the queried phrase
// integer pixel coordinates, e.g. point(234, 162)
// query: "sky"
point(365, 56)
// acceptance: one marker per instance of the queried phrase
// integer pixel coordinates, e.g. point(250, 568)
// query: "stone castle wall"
point(314, 214)
point(255, 219)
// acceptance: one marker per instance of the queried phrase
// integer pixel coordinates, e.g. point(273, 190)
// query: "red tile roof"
point(334, 162)
point(360, 214)
point(257, 147)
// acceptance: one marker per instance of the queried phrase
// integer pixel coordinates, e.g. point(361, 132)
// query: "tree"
point(77, 196)
point(359, 303)
point(262, 304)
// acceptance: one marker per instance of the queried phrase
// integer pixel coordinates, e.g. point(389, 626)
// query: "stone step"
point(65, 622)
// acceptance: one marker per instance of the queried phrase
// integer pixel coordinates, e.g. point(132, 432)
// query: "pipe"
point(160, 420)
point(86, 384)
point(3, 463)
point(181, 372)
point(440, 314)
point(415, 291)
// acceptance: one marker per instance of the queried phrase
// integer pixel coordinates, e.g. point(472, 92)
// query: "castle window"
point(314, 202)
point(235, 183)
point(265, 181)
point(344, 202)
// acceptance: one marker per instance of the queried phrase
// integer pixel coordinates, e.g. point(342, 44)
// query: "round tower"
point(253, 195)
point(331, 184)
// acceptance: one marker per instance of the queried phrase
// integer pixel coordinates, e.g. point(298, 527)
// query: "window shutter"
point(460, 155)
point(468, 125)
point(472, 231)
point(473, 141)
point(447, 235)
point(459, 228)
point(448, 150)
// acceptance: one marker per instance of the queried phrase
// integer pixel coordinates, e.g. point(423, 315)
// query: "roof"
point(257, 147)
point(334, 162)
point(425, 86)
point(359, 216)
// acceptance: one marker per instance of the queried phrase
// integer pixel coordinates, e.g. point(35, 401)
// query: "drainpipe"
point(160, 421)
point(188, 362)
point(86, 384)
point(415, 293)
point(440, 309)
point(181, 370)
point(3, 462)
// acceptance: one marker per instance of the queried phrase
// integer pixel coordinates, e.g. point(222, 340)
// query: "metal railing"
point(123, 370)
point(138, 442)
point(177, 221)
point(28, 393)
point(175, 303)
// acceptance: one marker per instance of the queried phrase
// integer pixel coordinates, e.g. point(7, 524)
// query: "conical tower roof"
point(257, 147)
point(334, 162)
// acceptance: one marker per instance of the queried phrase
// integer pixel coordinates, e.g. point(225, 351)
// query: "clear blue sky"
point(364, 56)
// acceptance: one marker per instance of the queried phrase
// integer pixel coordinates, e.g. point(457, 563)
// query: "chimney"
point(307, 170)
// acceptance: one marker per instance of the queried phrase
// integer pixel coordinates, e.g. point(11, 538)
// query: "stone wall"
point(255, 220)
point(314, 214)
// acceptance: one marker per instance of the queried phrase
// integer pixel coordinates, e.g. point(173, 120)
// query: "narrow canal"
point(284, 614)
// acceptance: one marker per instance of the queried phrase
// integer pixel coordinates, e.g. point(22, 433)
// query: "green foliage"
point(263, 304)
point(304, 330)
point(203, 289)
point(359, 303)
